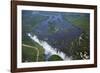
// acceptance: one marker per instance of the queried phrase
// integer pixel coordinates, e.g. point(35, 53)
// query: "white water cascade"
point(49, 50)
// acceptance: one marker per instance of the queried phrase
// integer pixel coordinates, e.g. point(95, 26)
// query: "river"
point(63, 32)
point(49, 50)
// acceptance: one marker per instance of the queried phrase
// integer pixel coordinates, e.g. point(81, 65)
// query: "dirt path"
point(33, 48)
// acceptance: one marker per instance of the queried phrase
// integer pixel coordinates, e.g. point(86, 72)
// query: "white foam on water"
point(49, 50)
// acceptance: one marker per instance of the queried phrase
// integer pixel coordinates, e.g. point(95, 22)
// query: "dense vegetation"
point(55, 58)
point(79, 47)
point(79, 20)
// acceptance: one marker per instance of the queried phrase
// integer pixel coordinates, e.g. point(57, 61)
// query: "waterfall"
point(49, 50)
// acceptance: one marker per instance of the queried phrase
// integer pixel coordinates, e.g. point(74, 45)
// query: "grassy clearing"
point(29, 54)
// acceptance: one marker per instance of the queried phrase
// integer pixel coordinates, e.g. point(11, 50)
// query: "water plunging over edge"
point(49, 50)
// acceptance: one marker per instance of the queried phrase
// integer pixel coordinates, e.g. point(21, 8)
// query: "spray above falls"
point(49, 50)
